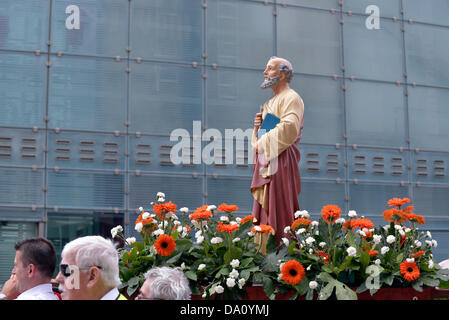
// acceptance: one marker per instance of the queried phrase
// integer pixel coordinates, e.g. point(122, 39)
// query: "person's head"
point(164, 283)
point(278, 71)
point(89, 268)
point(34, 263)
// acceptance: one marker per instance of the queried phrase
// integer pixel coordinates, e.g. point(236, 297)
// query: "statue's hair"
point(285, 67)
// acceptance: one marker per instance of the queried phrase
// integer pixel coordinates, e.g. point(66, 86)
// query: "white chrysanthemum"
point(391, 239)
point(184, 210)
point(351, 251)
point(235, 240)
point(352, 214)
point(219, 289)
point(138, 227)
point(235, 263)
point(211, 207)
point(224, 218)
point(216, 240)
point(145, 215)
point(313, 285)
point(201, 266)
point(384, 250)
point(116, 230)
point(377, 238)
point(285, 241)
point(310, 240)
point(230, 282)
point(322, 244)
point(131, 240)
point(199, 239)
point(234, 274)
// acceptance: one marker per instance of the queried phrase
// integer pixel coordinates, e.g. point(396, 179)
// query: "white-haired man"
point(164, 283)
point(89, 270)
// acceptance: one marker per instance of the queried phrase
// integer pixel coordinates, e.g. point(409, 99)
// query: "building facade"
point(92, 90)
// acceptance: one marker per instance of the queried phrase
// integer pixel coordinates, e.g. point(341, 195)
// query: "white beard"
point(267, 83)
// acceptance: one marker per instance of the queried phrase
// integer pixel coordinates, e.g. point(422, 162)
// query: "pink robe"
point(278, 192)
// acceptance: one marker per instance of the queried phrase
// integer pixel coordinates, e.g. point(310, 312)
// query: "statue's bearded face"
point(271, 74)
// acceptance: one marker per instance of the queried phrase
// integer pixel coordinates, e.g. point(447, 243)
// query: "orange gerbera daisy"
point(264, 229)
point(227, 208)
point(229, 228)
point(201, 213)
point(394, 215)
point(417, 254)
point(246, 219)
point(165, 245)
point(398, 202)
point(161, 209)
point(361, 223)
point(330, 213)
point(416, 218)
point(409, 270)
point(300, 223)
point(347, 225)
point(292, 272)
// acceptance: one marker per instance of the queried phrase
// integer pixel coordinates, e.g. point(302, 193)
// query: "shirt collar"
point(111, 295)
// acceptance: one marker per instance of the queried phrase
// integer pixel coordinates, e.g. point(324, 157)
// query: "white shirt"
point(39, 292)
point(111, 295)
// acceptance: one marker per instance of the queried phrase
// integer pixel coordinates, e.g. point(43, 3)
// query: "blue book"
point(268, 123)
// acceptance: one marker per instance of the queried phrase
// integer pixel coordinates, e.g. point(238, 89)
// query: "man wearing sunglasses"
point(34, 265)
point(89, 270)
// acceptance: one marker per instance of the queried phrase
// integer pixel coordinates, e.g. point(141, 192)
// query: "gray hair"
point(96, 251)
point(285, 67)
point(168, 284)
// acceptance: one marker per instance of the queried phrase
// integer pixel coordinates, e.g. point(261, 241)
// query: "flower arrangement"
point(336, 255)
point(215, 251)
point(333, 257)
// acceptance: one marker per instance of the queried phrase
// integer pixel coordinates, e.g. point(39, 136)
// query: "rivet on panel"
point(117, 133)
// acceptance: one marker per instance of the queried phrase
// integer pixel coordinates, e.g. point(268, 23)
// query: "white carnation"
point(384, 250)
point(418, 243)
point(131, 240)
point(352, 214)
point(235, 263)
point(313, 285)
point(285, 241)
point(199, 239)
point(315, 223)
point(434, 243)
point(236, 240)
point(184, 210)
point(140, 209)
point(287, 229)
point(219, 289)
point(230, 282)
point(310, 240)
point(114, 231)
point(391, 239)
point(234, 274)
point(145, 215)
point(216, 240)
point(351, 251)
point(211, 207)
point(201, 267)
point(224, 218)
point(300, 231)
point(340, 220)
point(322, 244)
point(160, 194)
point(138, 227)
point(377, 238)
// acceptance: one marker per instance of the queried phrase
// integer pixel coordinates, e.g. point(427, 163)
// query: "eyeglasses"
point(67, 270)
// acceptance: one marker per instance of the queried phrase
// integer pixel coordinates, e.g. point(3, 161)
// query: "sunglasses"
point(67, 270)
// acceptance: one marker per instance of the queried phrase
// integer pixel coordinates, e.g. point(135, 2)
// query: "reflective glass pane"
point(310, 39)
point(315, 195)
point(239, 33)
point(31, 214)
point(21, 187)
point(22, 147)
point(86, 150)
point(371, 199)
point(435, 11)
point(373, 54)
point(166, 29)
point(24, 24)
point(431, 200)
point(92, 27)
point(320, 108)
point(428, 109)
point(378, 165)
point(322, 4)
point(233, 98)
point(87, 94)
point(83, 189)
point(321, 162)
point(375, 119)
point(184, 191)
point(22, 89)
point(164, 97)
point(427, 49)
point(430, 167)
point(387, 8)
point(231, 191)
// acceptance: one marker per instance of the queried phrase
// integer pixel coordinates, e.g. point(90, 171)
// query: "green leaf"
point(224, 272)
point(430, 282)
point(134, 281)
point(245, 274)
point(418, 285)
point(309, 295)
point(389, 280)
point(191, 275)
point(326, 292)
point(400, 257)
point(268, 286)
point(302, 287)
point(231, 254)
point(350, 239)
point(364, 261)
point(175, 258)
point(245, 262)
point(361, 288)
